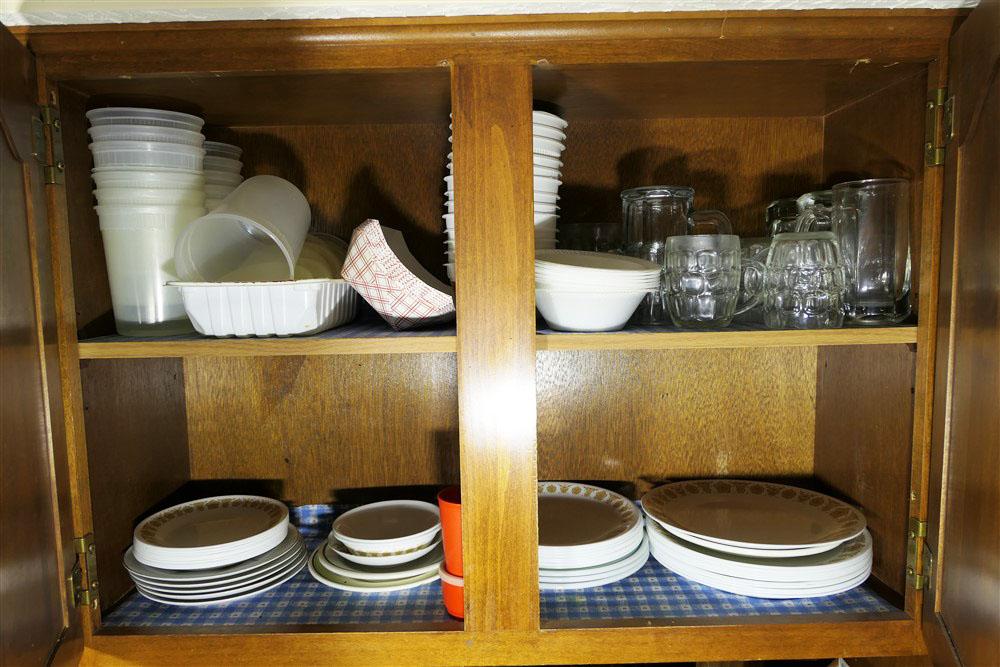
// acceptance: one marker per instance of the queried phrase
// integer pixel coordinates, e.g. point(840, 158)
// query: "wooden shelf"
point(670, 338)
point(366, 336)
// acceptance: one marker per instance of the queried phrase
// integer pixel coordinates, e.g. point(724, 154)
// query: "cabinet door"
point(961, 610)
point(34, 614)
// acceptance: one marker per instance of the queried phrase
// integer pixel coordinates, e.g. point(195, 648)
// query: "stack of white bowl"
point(148, 171)
point(591, 291)
point(222, 171)
point(548, 142)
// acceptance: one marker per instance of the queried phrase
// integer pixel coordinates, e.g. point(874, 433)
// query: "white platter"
point(221, 600)
point(211, 532)
point(739, 513)
point(382, 561)
point(229, 589)
point(337, 564)
point(357, 586)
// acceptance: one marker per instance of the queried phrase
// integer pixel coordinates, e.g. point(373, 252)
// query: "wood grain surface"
point(648, 416)
point(864, 412)
point(138, 451)
point(320, 426)
point(496, 344)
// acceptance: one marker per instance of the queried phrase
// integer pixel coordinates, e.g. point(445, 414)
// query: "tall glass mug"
point(871, 219)
point(703, 278)
point(804, 284)
point(651, 215)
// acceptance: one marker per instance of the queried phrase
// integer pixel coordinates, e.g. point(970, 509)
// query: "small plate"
point(330, 560)
point(382, 561)
point(359, 586)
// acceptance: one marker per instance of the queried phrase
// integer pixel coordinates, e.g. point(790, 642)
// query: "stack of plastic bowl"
point(591, 291)
point(548, 141)
point(150, 186)
point(222, 171)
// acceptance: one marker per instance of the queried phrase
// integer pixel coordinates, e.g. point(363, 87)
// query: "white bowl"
point(137, 177)
point(548, 161)
point(547, 131)
point(550, 119)
point(547, 171)
point(385, 517)
point(549, 147)
point(147, 154)
point(587, 311)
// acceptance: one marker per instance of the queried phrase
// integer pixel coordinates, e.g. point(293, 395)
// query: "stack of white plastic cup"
point(150, 185)
point(222, 171)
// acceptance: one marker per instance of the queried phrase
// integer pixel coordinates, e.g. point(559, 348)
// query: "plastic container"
point(218, 191)
point(137, 177)
point(146, 154)
point(145, 133)
point(453, 591)
point(258, 231)
point(139, 249)
point(219, 149)
point(216, 177)
point(550, 119)
point(150, 196)
point(224, 164)
point(450, 504)
point(290, 308)
point(141, 116)
point(547, 131)
point(212, 203)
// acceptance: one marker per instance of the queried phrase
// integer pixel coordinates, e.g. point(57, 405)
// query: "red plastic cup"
point(453, 589)
point(450, 503)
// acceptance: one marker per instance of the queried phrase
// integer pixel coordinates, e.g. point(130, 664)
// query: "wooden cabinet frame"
point(491, 62)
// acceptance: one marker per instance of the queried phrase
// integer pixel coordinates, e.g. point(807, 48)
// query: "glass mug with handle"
point(804, 282)
point(704, 274)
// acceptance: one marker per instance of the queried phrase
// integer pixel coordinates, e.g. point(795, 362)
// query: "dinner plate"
point(386, 560)
point(641, 553)
point(597, 581)
point(749, 514)
point(211, 532)
point(238, 588)
point(223, 599)
point(593, 556)
point(576, 518)
point(841, 559)
point(358, 586)
point(750, 551)
point(135, 568)
point(339, 565)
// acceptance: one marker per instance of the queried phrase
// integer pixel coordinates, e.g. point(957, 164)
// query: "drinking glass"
point(804, 284)
point(871, 219)
point(703, 278)
point(781, 215)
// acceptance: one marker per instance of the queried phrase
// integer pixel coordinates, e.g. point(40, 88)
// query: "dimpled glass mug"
point(804, 284)
point(704, 273)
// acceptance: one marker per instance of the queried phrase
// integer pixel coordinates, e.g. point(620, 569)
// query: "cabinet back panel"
point(136, 449)
point(864, 427)
point(321, 424)
point(646, 416)
point(737, 165)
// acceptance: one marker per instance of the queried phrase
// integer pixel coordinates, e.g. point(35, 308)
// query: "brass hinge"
point(82, 584)
point(939, 114)
point(48, 118)
point(917, 543)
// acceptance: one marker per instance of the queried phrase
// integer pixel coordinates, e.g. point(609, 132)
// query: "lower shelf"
point(653, 593)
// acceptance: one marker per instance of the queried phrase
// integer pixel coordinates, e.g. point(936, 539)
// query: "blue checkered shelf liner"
point(654, 592)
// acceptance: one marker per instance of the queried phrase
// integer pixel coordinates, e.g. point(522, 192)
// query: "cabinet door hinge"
point(939, 114)
point(47, 118)
point(917, 543)
point(82, 585)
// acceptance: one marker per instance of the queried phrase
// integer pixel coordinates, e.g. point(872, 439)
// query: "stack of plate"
point(758, 539)
point(214, 550)
point(548, 141)
point(381, 547)
point(222, 171)
point(587, 536)
point(577, 290)
point(148, 171)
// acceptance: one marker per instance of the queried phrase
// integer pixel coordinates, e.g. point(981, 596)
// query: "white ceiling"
point(55, 12)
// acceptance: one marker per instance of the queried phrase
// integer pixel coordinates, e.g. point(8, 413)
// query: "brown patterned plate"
point(750, 514)
point(580, 515)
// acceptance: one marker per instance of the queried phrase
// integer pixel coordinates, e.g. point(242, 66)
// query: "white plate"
point(752, 514)
point(577, 519)
point(748, 551)
point(599, 581)
point(201, 603)
point(382, 561)
point(232, 588)
point(387, 527)
point(357, 586)
point(640, 553)
point(337, 564)
point(755, 589)
point(211, 532)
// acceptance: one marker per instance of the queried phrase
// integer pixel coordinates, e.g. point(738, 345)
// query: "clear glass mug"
point(704, 274)
point(781, 216)
point(871, 219)
point(804, 283)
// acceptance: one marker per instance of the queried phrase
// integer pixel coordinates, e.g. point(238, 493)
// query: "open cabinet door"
point(37, 623)
point(961, 606)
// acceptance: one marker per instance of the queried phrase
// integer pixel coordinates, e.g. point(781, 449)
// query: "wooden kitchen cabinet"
point(746, 107)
